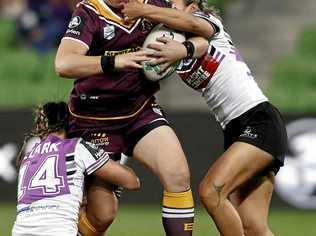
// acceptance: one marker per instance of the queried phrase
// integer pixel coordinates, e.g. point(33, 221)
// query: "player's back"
point(50, 187)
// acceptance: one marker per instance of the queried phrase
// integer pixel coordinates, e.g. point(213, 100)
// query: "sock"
point(178, 213)
point(85, 228)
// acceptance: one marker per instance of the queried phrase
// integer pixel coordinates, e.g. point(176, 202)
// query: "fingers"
point(144, 53)
point(136, 65)
point(142, 58)
point(155, 46)
point(158, 61)
point(163, 39)
point(164, 67)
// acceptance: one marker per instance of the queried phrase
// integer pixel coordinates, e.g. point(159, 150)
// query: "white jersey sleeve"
point(90, 157)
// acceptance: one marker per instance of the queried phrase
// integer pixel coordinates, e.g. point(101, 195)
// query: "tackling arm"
point(172, 18)
point(118, 174)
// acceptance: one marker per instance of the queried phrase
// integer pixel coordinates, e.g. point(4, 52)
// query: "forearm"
point(178, 20)
point(200, 46)
point(75, 66)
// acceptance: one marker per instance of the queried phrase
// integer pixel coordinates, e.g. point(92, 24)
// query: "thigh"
point(161, 152)
point(254, 196)
point(238, 164)
point(102, 203)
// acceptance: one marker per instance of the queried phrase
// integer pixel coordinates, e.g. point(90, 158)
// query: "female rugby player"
point(113, 106)
point(51, 176)
point(237, 188)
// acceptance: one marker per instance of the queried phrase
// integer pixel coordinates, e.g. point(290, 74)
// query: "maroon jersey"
point(113, 94)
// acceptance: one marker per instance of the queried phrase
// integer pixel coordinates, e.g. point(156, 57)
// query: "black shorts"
point(261, 126)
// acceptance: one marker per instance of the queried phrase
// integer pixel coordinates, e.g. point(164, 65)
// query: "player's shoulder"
point(85, 7)
point(83, 14)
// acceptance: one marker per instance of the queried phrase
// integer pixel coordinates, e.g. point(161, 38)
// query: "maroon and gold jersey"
point(114, 94)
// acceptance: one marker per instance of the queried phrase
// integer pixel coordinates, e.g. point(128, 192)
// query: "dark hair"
point(49, 118)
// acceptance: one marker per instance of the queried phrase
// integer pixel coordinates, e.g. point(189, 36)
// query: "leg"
point(160, 151)
point(236, 166)
point(102, 205)
point(255, 196)
point(100, 211)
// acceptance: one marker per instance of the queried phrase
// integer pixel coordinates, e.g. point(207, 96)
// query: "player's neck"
point(115, 7)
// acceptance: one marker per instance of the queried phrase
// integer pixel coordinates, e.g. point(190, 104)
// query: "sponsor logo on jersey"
point(125, 51)
point(296, 180)
point(75, 22)
point(248, 133)
point(109, 32)
point(199, 79)
point(75, 32)
point(99, 139)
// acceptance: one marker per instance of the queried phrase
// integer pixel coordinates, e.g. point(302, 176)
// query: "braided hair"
point(49, 118)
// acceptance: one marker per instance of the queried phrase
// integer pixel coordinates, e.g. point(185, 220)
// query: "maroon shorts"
point(119, 136)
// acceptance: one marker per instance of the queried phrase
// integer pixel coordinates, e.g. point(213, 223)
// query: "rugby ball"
point(152, 73)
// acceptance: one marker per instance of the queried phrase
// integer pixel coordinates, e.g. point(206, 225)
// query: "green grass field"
point(145, 221)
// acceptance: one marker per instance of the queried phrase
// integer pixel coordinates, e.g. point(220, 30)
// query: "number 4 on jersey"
point(46, 177)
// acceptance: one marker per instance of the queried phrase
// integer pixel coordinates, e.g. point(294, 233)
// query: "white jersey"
point(50, 188)
point(222, 77)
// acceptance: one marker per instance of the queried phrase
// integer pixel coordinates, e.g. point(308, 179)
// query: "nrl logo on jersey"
point(109, 32)
point(75, 22)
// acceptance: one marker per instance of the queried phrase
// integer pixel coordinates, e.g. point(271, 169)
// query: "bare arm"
point(118, 174)
point(172, 18)
point(71, 60)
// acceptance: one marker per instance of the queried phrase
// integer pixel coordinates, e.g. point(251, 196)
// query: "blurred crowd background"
point(276, 38)
point(39, 24)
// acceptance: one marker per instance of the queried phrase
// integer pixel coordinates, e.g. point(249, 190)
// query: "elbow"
point(203, 32)
point(62, 68)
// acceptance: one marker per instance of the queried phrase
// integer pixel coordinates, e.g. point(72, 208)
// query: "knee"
point(102, 217)
point(255, 227)
point(210, 195)
point(176, 180)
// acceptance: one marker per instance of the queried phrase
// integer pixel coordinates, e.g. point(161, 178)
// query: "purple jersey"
point(114, 94)
point(50, 187)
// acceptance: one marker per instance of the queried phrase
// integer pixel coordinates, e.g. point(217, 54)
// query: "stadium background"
point(277, 38)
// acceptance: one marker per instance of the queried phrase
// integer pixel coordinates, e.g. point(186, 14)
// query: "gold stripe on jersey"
point(104, 11)
point(109, 118)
